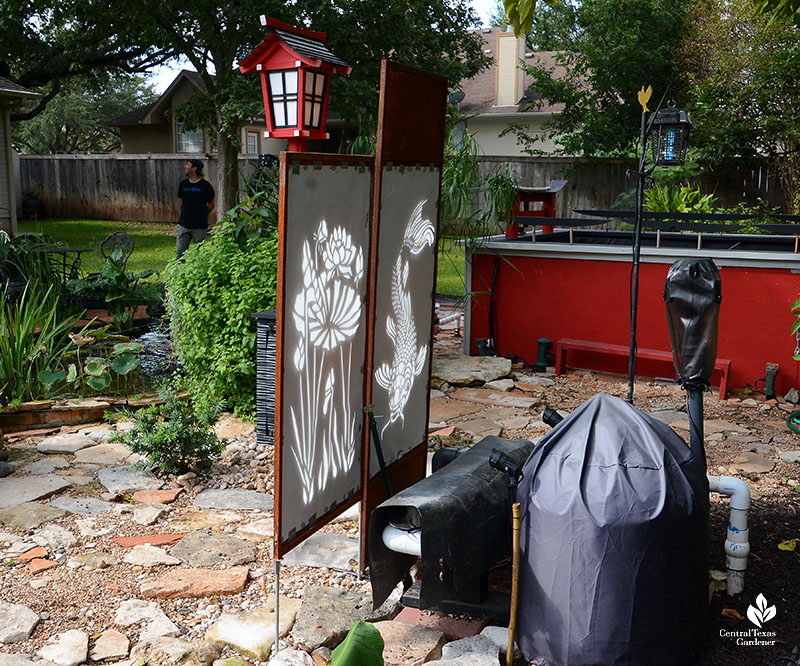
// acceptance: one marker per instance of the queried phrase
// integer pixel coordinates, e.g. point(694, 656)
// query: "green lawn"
point(450, 275)
point(153, 243)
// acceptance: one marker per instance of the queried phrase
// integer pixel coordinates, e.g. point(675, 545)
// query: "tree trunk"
point(227, 185)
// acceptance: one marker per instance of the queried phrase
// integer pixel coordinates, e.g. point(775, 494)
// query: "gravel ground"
point(68, 598)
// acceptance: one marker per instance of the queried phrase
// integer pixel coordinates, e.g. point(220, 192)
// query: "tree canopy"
point(48, 43)
point(75, 119)
point(616, 47)
point(740, 79)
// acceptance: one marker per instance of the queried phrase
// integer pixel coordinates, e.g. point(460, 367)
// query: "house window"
point(283, 98)
point(314, 97)
point(252, 143)
point(189, 142)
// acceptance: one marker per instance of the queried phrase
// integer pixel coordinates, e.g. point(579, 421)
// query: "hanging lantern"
point(669, 137)
point(295, 70)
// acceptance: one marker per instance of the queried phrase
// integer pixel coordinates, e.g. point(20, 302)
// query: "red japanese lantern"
point(295, 72)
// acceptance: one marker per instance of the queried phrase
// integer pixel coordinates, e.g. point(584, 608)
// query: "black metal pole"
point(637, 246)
point(696, 436)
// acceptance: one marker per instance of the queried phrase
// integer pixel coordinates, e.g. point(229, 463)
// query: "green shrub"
point(212, 291)
point(677, 199)
point(173, 435)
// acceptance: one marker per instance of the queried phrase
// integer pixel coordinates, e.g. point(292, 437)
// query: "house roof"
point(480, 92)
point(11, 89)
point(152, 113)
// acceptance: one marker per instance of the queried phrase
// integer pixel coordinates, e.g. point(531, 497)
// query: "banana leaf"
point(362, 647)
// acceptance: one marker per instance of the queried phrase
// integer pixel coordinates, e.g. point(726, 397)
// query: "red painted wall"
point(589, 300)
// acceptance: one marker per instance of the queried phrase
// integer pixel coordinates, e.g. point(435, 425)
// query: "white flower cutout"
point(761, 612)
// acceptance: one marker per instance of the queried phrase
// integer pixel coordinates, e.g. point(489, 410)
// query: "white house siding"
point(486, 131)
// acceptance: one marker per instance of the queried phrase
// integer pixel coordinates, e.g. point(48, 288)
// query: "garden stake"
point(512, 621)
point(277, 605)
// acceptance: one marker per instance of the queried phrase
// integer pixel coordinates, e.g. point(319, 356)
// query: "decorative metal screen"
point(404, 307)
point(322, 333)
point(265, 376)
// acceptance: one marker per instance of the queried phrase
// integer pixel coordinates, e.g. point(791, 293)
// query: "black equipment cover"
point(693, 292)
point(614, 541)
point(465, 513)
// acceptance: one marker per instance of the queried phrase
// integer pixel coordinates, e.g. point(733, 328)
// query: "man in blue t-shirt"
point(197, 201)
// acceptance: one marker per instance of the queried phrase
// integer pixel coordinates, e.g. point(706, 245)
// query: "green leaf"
point(98, 383)
point(125, 347)
point(124, 363)
point(50, 378)
point(72, 372)
point(99, 334)
point(788, 544)
point(362, 647)
point(95, 366)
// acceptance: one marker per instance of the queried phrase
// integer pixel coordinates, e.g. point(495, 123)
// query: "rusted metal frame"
point(409, 468)
point(287, 161)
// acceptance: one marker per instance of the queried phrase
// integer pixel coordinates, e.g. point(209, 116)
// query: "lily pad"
point(72, 372)
point(124, 363)
point(123, 347)
point(99, 382)
point(95, 366)
point(50, 378)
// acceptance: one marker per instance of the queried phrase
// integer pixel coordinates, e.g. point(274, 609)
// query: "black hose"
point(493, 332)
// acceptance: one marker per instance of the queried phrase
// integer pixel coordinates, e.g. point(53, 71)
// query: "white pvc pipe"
point(403, 541)
point(737, 544)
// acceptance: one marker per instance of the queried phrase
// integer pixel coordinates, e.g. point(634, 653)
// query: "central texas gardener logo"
point(760, 613)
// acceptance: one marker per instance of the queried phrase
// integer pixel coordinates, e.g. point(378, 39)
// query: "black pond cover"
point(614, 539)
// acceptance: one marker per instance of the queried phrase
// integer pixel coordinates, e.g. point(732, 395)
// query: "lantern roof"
point(306, 45)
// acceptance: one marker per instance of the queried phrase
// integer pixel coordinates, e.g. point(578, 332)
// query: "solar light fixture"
point(669, 137)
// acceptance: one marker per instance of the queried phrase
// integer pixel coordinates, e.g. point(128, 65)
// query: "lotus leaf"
point(95, 366)
point(50, 378)
point(124, 363)
point(99, 382)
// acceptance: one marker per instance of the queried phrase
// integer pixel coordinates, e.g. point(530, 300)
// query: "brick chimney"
point(508, 87)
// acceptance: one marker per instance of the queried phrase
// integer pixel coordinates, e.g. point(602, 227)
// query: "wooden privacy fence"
point(112, 187)
point(144, 187)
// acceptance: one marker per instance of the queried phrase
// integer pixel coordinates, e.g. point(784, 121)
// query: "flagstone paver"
point(152, 539)
point(110, 453)
point(18, 490)
point(325, 549)
point(125, 479)
point(488, 397)
point(165, 496)
point(83, 506)
point(252, 634)
point(184, 583)
point(234, 498)
point(16, 622)
point(200, 549)
point(70, 443)
point(29, 515)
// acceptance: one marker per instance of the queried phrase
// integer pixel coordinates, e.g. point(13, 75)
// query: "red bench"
point(565, 344)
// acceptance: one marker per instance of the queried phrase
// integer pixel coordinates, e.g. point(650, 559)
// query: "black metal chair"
point(119, 245)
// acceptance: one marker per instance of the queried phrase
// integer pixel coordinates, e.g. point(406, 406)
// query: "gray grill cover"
point(693, 293)
point(614, 538)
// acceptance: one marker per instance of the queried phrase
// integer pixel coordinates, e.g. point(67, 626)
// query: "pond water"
point(156, 360)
